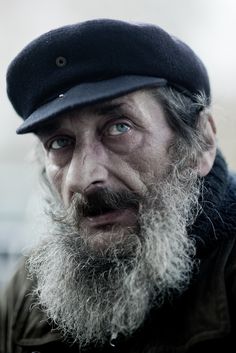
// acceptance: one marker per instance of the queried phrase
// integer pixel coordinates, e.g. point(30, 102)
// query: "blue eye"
point(118, 129)
point(60, 143)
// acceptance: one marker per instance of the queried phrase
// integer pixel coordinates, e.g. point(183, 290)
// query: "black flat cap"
point(97, 60)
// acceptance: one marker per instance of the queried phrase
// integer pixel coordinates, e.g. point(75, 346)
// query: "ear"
point(207, 158)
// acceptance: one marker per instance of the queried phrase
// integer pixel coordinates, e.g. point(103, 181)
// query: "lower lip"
point(125, 217)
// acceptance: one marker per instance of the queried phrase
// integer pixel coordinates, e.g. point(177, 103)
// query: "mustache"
point(105, 200)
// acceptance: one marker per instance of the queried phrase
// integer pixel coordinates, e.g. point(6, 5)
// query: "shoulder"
point(18, 315)
point(17, 290)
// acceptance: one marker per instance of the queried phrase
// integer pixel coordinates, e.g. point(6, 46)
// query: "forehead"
point(139, 104)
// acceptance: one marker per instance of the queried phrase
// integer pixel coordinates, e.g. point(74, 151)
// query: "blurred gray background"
point(208, 26)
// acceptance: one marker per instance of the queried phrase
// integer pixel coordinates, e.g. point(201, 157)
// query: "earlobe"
point(208, 157)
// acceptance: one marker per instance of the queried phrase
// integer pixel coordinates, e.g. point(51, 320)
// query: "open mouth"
point(97, 210)
point(124, 217)
point(104, 208)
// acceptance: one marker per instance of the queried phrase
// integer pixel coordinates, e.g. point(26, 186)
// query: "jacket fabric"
point(202, 319)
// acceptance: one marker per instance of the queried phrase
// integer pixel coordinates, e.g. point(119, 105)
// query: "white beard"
point(94, 295)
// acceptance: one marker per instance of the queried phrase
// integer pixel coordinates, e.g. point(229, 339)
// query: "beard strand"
point(93, 294)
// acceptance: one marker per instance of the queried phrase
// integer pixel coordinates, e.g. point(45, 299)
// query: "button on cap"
point(61, 61)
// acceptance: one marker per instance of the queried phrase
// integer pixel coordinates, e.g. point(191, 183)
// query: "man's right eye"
point(59, 143)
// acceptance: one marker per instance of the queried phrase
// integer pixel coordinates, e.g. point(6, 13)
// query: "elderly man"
point(139, 253)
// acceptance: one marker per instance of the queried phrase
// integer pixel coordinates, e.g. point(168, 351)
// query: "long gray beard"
point(94, 295)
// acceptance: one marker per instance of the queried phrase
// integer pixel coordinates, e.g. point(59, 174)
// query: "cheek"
point(138, 169)
point(151, 159)
point(55, 177)
point(150, 168)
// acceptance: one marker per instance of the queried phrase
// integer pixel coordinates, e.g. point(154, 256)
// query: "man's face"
point(119, 145)
point(117, 240)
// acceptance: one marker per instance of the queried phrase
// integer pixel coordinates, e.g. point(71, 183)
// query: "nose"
point(87, 170)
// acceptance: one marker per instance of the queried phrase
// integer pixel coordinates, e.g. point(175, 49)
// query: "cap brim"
point(87, 94)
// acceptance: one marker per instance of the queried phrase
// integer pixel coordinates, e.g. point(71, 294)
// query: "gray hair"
point(187, 117)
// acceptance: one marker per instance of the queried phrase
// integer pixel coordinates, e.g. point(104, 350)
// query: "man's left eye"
point(118, 129)
point(59, 143)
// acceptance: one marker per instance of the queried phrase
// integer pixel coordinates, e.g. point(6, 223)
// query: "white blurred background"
point(208, 26)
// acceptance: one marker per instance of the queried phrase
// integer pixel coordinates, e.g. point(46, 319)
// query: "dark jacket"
point(202, 319)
